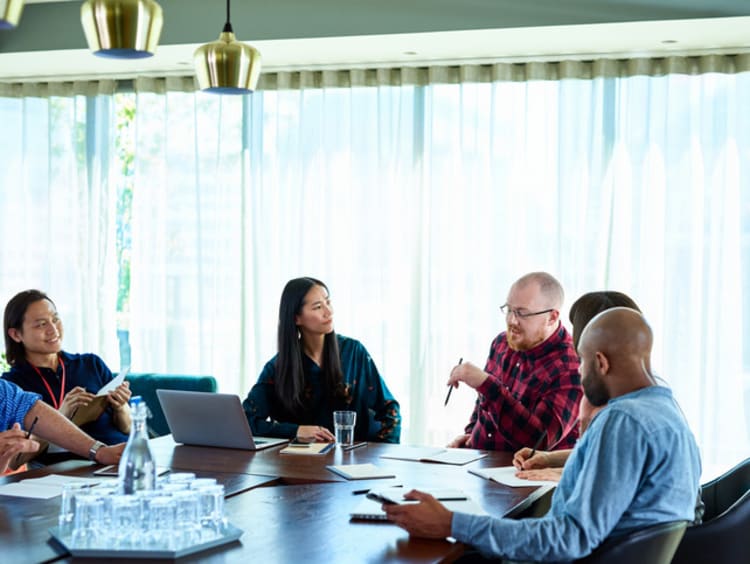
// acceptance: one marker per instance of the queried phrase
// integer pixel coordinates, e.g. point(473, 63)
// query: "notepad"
point(360, 471)
point(507, 475)
point(454, 500)
point(92, 411)
point(308, 448)
point(455, 456)
point(45, 487)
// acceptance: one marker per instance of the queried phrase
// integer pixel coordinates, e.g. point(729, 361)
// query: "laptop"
point(210, 419)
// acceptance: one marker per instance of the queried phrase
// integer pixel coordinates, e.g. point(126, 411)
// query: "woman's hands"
point(314, 433)
point(75, 398)
point(120, 396)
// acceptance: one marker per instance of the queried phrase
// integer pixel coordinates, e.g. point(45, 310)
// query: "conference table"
point(290, 507)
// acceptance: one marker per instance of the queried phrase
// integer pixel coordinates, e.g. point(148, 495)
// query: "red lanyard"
point(55, 403)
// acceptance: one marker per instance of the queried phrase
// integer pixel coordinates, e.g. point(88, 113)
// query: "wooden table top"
point(290, 507)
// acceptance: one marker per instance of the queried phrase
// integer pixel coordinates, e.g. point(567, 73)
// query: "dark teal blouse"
point(378, 417)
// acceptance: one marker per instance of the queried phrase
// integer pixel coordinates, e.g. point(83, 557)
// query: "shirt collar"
point(558, 339)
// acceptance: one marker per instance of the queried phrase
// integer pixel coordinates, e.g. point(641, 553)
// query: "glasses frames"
point(520, 314)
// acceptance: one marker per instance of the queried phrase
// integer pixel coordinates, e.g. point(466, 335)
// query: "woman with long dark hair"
point(317, 372)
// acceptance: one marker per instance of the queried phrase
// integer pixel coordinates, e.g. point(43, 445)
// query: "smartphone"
point(382, 499)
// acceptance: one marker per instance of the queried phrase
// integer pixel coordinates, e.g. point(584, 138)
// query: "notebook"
point(365, 471)
point(506, 475)
point(308, 448)
point(210, 419)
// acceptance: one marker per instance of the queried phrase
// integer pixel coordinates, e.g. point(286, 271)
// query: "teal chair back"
point(145, 385)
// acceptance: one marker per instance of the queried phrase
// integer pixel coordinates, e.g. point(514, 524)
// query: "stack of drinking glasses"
point(141, 513)
point(181, 512)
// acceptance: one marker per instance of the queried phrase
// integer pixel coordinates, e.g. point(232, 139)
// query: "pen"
point(537, 443)
point(450, 389)
point(28, 434)
point(367, 490)
point(352, 447)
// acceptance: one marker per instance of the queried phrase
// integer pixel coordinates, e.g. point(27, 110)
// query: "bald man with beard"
point(636, 466)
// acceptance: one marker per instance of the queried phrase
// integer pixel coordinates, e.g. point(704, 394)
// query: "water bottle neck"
point(139, 414)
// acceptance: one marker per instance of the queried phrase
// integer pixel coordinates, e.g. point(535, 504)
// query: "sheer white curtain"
point(58, 207)
point(420, 199)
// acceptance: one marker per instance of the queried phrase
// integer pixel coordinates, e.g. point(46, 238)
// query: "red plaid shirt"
point(528, 393)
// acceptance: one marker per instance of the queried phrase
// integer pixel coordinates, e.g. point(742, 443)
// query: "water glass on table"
point(87, 522)
point(343, 424)
point(68, 506)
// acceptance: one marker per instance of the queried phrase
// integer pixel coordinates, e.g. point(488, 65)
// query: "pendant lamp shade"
point(122, 29)
point(227, 66)
point(10, 13)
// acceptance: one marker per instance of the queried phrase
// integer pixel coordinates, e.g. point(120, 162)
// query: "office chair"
point(653, 545)
point(722, 538)
point(145, 385)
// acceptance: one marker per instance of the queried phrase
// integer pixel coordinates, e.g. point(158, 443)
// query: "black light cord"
point(228, 25)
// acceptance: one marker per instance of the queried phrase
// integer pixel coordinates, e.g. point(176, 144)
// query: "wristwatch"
point(94, 449)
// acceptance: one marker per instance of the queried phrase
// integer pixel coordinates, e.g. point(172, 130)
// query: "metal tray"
point(233, 533)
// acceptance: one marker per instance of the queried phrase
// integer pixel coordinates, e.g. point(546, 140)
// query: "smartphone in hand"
point(376, 496)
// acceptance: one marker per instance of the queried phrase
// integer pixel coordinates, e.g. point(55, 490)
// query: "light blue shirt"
point(14, 404)
point(637, 465)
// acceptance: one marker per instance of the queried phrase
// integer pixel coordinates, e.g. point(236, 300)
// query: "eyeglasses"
point(520, 314)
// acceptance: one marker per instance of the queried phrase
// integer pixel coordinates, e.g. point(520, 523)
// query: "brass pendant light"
point(227, 66)
point(10, 13)
point(122, 29)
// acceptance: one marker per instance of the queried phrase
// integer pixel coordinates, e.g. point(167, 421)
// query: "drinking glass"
point(87, 523)
point(343, 424)
point(125, 518)
point(68, 506)
point(161, 519)
point(211, 511)
point(187, 524)
point(180, 477)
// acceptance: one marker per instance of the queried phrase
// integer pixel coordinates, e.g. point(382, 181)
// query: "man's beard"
point(594, 389)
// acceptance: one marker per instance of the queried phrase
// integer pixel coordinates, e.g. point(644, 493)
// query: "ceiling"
point(48, 43)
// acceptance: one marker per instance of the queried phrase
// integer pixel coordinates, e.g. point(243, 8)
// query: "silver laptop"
point(210, 419)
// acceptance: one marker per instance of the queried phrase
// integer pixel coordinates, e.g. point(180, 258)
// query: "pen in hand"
point(450, 388)
point(28, 434)
point(537, 443)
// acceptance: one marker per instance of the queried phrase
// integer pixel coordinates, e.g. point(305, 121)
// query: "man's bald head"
point(615, 351)
point(549, 288)
point(618, 331)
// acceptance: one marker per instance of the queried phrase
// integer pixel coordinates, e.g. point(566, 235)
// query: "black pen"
point(367, 490)
point(537, 443)
point(352, 447)
point(450, 389)
point(28, 434)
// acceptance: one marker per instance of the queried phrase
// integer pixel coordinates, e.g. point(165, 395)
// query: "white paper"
point(119, 379)
point(20, 489)
point(45, 487)
point(507, 475)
